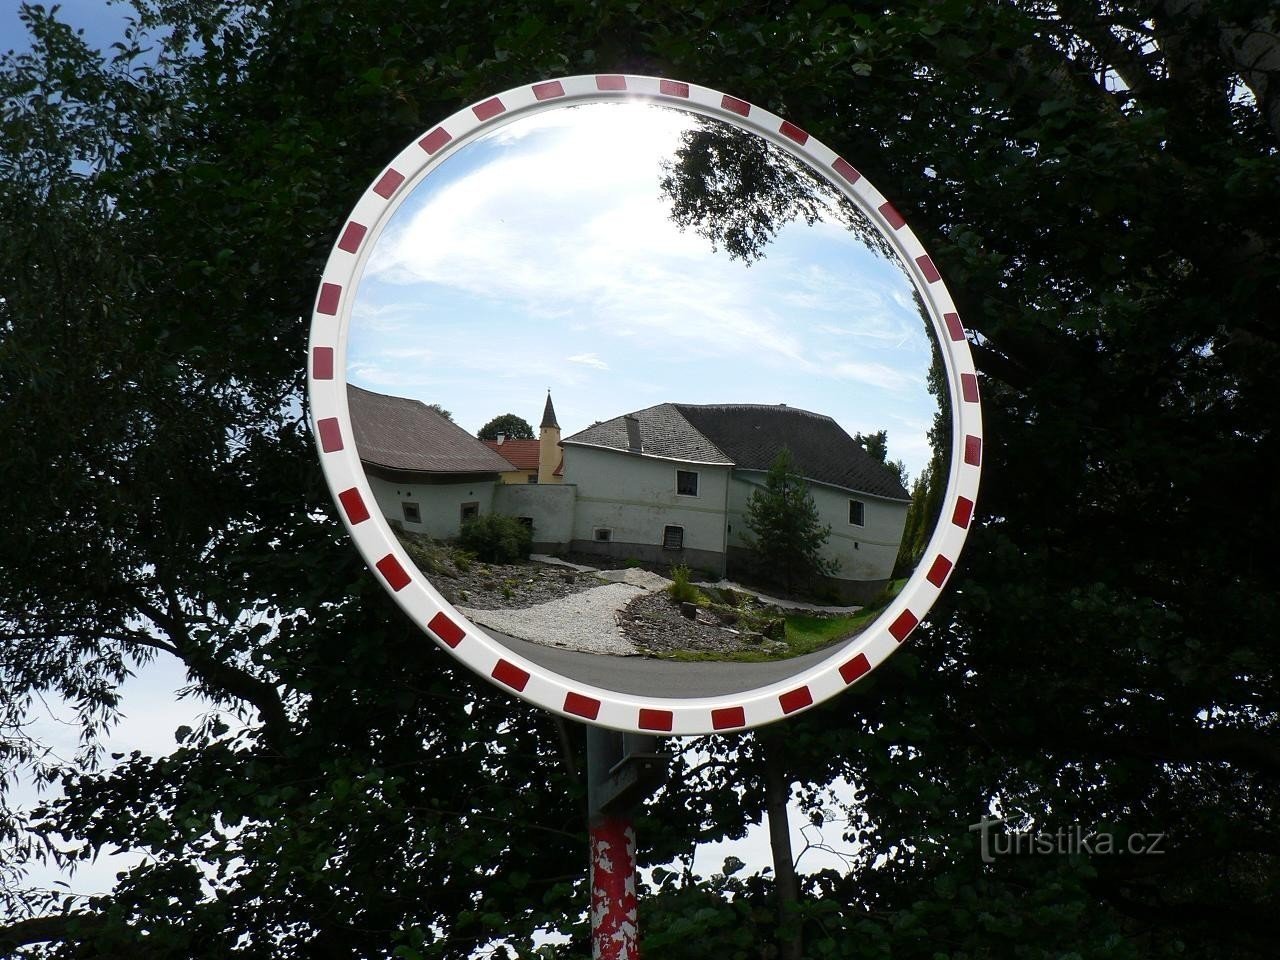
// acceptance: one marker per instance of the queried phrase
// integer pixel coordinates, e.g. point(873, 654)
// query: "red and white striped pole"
point(622, 769)
point(614, 931)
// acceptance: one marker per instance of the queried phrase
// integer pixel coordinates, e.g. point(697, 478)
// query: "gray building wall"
point(549, 506)
point(439, 504)
point(635, 499)
point(866, 553)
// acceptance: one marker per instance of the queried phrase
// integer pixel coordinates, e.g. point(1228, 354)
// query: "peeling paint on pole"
point(613, 889)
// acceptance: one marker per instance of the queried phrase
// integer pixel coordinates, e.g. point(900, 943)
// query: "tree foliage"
point(514, 427)
point(877, 445)
point(496, 538)
point(737, 190)
point(1098, 184)
point(787, 535)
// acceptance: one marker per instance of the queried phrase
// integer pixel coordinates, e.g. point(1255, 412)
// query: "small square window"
point(687, 483)
point(603, 534)
point(855, 512)
point(673, 538)
point(532, 478)
point(470, 510)
point(411, 512)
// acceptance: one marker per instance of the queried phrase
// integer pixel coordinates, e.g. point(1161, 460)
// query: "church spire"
point(549, 414)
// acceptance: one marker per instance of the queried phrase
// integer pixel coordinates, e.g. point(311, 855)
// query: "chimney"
point(501, 437)
point(633, 433)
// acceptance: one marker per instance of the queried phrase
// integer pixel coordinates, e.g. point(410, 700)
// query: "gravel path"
point(780, 603)
point(557, 562)
point(655, 624)
point(586, 621)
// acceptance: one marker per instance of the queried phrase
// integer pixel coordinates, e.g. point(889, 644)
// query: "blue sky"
point(103, 23)
point(543, 257)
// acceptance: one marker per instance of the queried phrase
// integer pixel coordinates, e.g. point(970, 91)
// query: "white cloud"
point(572, 224)
point(589, 360)
point(878, 375)
point(546, 254)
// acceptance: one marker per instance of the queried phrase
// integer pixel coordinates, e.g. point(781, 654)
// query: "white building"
point(671, 483)
point(668, 484)
point(427, 474)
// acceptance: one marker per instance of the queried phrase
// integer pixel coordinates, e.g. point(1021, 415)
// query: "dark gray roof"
point(753, 435)
point(549, 414)
point(664, 432)
point(749, 436)
point(401, 434)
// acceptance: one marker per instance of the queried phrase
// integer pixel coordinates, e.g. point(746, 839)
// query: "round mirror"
point(645, 404)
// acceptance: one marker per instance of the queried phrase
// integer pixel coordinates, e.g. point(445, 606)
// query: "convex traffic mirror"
point(644, 404)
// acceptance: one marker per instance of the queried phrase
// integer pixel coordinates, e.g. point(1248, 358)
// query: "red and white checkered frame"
point(471, 645)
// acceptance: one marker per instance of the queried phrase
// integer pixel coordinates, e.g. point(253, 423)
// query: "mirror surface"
point(669, 351)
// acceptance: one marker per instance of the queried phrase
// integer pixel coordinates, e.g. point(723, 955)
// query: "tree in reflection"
point(929, 486)
point(738, 191)
point(877, 445)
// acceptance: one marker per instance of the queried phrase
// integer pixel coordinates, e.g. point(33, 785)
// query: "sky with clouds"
point(543, 256)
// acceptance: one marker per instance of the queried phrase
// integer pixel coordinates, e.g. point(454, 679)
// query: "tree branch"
point(1129, 64)
point(1252, 51)
point(219, 674)
point(66, 927)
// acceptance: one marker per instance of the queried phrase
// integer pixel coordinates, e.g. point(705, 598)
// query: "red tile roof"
point(523, 454)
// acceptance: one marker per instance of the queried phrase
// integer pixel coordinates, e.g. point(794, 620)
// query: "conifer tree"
point(787, 533)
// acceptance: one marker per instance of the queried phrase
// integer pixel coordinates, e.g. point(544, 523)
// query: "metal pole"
point(622, 769)
point(614, 932)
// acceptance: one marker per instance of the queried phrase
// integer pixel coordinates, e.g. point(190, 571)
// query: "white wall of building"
point(439, 504)
point(550, 506)
point(635, 497)
point(864, 552)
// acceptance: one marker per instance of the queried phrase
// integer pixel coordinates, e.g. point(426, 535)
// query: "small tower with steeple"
point(548, 445)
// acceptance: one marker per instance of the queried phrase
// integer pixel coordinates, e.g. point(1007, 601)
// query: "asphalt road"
point(649, 677)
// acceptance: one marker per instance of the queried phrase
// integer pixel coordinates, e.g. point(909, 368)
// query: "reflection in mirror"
point(668, 360)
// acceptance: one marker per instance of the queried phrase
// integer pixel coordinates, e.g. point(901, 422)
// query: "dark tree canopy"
point(877, 445)
point(737, 190)
point(512, 426)
point(1099, 185)
point(786, 533)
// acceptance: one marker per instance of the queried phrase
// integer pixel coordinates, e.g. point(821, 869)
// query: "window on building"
point(856, 508)
point(411, 512)
point(532, 478)
point(603, 534)
point(527, 521)
point(673, 538)
point(470, 510)
point(687, 483)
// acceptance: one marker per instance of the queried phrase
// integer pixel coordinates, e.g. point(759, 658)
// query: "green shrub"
point(728, 596)
point(496, 538)
point(681, 589)
point(427, 555)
